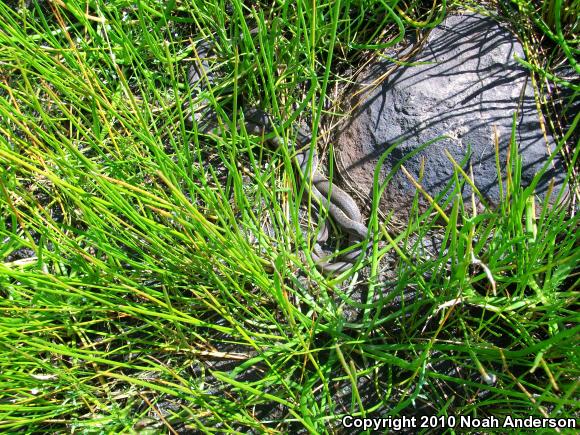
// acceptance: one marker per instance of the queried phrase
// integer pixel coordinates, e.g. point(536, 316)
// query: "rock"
point(467, 84)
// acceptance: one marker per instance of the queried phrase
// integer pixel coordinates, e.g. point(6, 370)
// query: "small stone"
point(466, 86)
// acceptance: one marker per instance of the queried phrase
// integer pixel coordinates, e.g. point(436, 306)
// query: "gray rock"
point(466, 85)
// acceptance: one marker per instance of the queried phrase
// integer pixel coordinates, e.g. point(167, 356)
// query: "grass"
point(151, 276)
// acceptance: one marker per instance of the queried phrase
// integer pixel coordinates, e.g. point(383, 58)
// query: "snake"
point(340, 206)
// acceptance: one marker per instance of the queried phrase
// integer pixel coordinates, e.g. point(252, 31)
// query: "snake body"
point(340, 205)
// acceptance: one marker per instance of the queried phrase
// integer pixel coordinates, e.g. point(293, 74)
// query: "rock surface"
point(466, 86)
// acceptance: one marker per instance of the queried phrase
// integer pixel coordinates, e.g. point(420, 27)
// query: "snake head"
point(257, 119)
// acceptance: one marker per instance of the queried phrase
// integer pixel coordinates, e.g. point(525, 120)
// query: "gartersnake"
point(340, 205)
